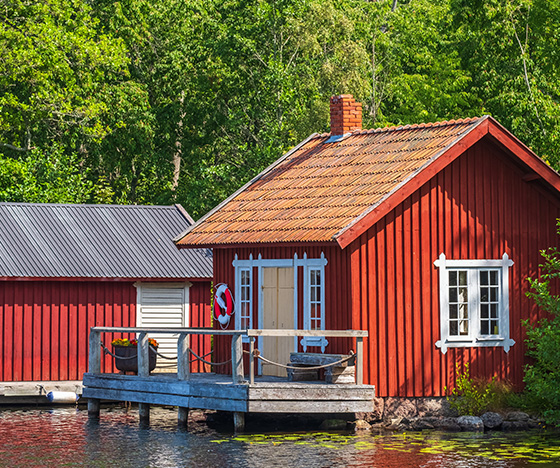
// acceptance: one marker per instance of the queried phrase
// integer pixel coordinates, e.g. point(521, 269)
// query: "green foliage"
point(542, 378)
point(472, 397)
point(44, 177)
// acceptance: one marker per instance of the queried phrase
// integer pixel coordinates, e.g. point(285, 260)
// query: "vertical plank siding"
point(477, 208)
point(45, 325)
point(200, 314)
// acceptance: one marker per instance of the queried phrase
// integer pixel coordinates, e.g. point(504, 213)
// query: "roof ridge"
point(84, 205)
point(395, 128)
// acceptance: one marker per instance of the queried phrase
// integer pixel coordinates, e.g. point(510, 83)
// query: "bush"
point(542, 378)
point(472, 397)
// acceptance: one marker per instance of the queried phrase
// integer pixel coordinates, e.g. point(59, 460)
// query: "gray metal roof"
point(97, 241)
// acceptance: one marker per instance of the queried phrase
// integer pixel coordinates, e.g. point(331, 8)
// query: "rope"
point(208, 362)
point(161, 355)
point(257, 354)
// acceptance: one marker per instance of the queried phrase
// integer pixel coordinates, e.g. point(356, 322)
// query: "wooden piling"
point(93, 407)
point(144, 412)
point(183, 417)
point(238, 422)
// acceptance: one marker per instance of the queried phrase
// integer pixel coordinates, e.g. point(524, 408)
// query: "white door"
point(278, 313)
point(163, 305)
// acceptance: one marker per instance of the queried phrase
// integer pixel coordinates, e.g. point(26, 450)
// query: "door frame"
point(295, 263)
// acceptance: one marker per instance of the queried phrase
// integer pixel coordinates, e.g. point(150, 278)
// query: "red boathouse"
point(423, 235)
point(66, 268)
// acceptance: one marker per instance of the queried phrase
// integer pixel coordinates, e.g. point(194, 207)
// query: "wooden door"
point(278, 313)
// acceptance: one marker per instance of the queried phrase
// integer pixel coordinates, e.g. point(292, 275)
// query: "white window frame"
point(308, 264)
point(240, 266)
point(474, 337)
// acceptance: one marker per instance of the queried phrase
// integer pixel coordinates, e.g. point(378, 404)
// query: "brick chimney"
point(346, 114)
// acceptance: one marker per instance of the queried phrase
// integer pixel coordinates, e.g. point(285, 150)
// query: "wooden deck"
point(217, 392)
point(233, 392)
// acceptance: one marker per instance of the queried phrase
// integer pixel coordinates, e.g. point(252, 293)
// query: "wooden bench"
point(344, 372)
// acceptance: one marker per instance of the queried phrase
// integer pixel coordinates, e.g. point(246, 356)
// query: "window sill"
point(475, 343)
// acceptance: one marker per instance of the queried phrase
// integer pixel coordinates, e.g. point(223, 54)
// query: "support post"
point(183, 417)
point(251, 360)
point(94, 365)
point(359, 360)
point(237, 359)
point(143, 350)
point(238, 422)
point(93, 407)
point(183, 357)
point(144, 412)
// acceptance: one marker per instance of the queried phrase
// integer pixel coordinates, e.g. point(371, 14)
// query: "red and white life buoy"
point(224, 305)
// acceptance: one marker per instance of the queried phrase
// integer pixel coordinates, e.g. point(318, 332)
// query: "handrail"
point(183, 370)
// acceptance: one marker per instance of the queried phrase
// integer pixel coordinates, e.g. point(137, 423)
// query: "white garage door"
point(163, 305)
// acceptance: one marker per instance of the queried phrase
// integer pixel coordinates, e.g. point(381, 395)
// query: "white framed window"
point(245, 302)
point(314, 302)
point(474, 303)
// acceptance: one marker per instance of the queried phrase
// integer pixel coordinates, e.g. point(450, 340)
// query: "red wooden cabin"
point(66, 268)
point(423, 235)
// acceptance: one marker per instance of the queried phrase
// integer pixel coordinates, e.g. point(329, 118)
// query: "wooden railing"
point(183, 355)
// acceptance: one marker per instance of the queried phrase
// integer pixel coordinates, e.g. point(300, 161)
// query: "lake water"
point(65, 437)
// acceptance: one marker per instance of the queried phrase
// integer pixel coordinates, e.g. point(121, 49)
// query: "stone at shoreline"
point(333, 425)
point(517, 416)
point(515, 426)
point(400, 408)
point(492, 420)
point(470, 423)
point(360, 426)
point(420, 424)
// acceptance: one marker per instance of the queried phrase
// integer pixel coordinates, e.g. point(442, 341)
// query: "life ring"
point(224, 305)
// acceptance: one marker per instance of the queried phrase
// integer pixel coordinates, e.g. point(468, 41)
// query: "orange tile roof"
point(320, 188)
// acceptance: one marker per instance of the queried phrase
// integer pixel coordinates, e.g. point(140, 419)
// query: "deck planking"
point(217, 392)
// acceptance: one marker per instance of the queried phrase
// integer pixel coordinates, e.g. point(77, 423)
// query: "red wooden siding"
point(337, 301)
point(477, 208)
point(45, 325)
point(200, 316)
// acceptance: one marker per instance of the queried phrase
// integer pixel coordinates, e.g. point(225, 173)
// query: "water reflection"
point(65, 437)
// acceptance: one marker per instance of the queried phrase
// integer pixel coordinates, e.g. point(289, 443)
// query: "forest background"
point(183, 101)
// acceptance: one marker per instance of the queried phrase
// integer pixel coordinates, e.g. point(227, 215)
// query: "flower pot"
point(131, 365)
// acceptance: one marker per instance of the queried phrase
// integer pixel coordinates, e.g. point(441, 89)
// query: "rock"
point(398, 424)
point(420, 424)
point(517, 416)
point(492, 420)
point(333, 425)
point(515, 426)
point(428, 407)
point(445, 424)
point(360, 425)
point(376, 415)
point(470, 423)
point(400, 408)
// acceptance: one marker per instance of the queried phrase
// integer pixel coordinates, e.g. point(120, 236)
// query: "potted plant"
point(127, 350)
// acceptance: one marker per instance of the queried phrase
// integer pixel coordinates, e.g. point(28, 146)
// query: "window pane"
point(463, 278)
point(484, 327)
point(464, 311)
point(494, 277)
point(494, 294)
point(484, 310)
point(494, 327)
point(483, 294)
point(452, 278)
point(484, 277)
point(453, 311)
point(453, 328)
point(453, 295)
point(463, 327)
point(494, 310)
point(463, 296)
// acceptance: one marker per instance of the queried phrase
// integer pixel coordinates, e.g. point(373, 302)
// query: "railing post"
point(251, 360)
point(183, 357)
point(94, 351)
point(143, 351)
point(359, 360)
point(237, 359)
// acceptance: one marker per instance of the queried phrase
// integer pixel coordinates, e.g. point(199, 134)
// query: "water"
point(65, 437)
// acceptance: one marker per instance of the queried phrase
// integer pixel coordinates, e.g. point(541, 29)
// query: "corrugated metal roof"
point(97, 241)
point(321, 187)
